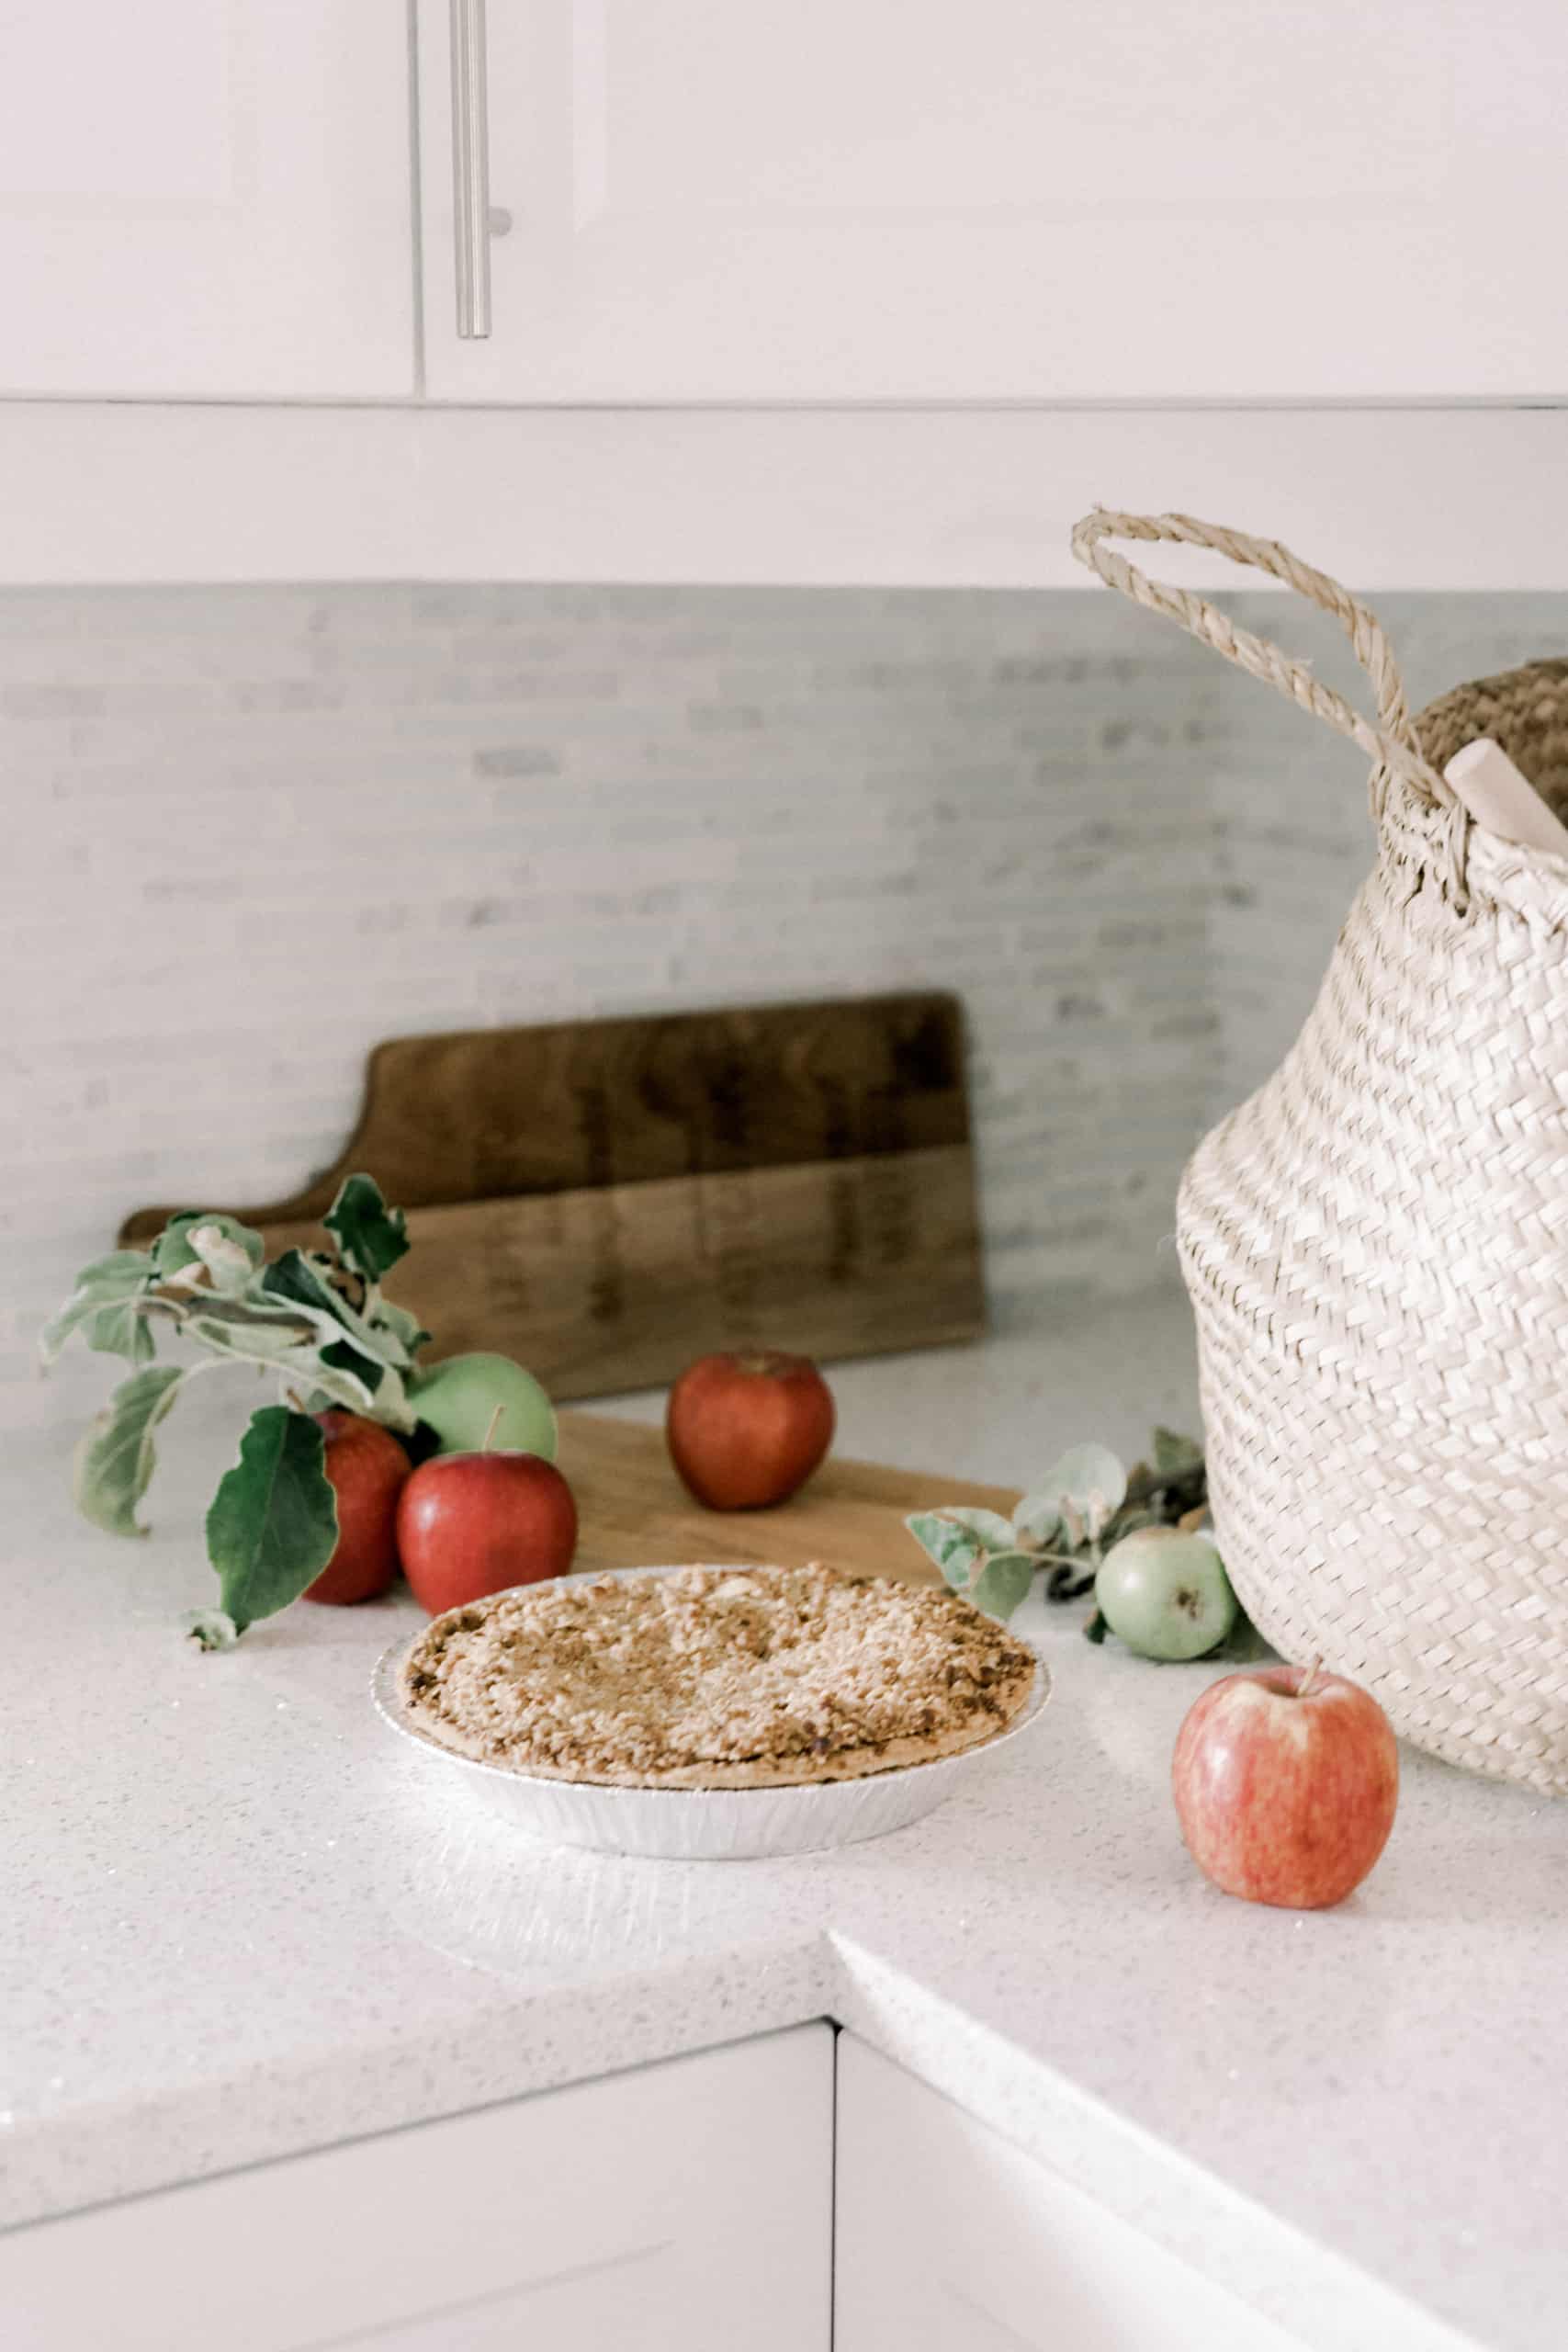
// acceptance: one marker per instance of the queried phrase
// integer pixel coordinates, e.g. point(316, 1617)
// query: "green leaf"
point(295, 1279)
point(273, 1524)
point(288, 1341)
point(172, 1252)
point(953, 1548)
point(1096, 1628)
point(120, 1330)
point(996, 1534)
point(121, 1269)
point(295, 1343)
point(229, 1252)
point(370, 1237)
point(1084, 1487)
point(341, 1357)
point(105, 1283)
point(1176, 1457)
point(1002, 1583)
point(406, 1329)
point(1128, 1521)
point(1038, 1516)
point(287, 1338)
point(114, 1458)
point(242, 1316)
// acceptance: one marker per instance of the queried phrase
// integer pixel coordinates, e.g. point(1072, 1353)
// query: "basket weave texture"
point(1376, 1246)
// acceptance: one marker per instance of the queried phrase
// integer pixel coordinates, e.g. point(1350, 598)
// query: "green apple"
point(458, 1398)
point(1165, 1594)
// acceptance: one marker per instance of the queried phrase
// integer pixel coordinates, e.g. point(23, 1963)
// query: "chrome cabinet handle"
point(470, 168)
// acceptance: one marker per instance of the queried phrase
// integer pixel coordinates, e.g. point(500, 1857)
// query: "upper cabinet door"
point(205, 199)
point(907, 200)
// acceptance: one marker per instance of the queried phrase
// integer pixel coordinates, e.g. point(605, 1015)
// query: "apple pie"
point(715, 1677)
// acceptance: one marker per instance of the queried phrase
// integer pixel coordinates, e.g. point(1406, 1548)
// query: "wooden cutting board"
point(606, 1200)
point(634, 1513)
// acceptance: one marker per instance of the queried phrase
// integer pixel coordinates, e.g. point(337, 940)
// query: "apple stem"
point(494, 1424)
point(1304, 1686)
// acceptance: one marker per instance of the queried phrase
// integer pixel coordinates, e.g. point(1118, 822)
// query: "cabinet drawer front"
point(948, 2237)
point(652, 2208)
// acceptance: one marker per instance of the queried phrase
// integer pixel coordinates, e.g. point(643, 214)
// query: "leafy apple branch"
point(1065, 1525)
point(316, 1318)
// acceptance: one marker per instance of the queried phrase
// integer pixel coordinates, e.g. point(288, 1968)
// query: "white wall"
point(251, 830)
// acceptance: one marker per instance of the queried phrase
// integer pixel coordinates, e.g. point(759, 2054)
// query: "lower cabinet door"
point(948, 2239)
point(683, 2207)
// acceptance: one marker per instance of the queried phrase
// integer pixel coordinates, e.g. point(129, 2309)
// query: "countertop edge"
point(180, 2138)
point(1312, 2293)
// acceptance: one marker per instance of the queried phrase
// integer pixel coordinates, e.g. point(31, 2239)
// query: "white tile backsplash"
point(252, 830)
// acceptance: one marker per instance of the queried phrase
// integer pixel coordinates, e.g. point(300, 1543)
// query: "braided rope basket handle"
point(1393, 745)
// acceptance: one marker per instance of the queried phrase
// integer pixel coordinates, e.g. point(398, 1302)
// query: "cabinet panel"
point(648, 2209)
point(205, 199)
point(947, 2235)
point(628, 2300)
point(897, 200)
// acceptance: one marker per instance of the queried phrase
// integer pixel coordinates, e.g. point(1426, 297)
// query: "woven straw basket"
point(1376, 1243)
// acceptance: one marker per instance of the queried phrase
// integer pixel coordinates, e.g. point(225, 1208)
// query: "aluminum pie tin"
point(700, 1824)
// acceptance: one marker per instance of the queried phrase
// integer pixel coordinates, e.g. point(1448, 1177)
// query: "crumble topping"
point(715, 1677)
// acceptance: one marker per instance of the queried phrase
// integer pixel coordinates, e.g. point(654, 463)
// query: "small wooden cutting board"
point(634, 1513)
point(607, 1200)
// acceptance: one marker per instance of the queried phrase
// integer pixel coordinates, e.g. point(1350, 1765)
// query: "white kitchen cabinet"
point(855, 292)
point(902, 200)
point(1471, 499)
point(948, 2237)
point(682, 2208)
point(205, 199)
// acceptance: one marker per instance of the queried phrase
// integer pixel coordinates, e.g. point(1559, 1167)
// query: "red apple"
point(471, 1525)
point(1286, 1785)
point(367, 1469)
point(747, 1430)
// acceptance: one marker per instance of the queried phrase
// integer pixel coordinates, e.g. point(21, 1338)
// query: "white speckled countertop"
point(237, 1923)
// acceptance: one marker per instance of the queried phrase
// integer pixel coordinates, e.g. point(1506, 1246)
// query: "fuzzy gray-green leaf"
point(1176, 1456)
point(273, 1524)
point(107, 1283)
point(114, 1458)
point(120, 1330)
point(1087, 1485)
point(1038, 1516)
point(953, 1548)
point(1002, 1583)
point(227, 1249)
point(995, 1532)
point(407, 1330)
point(290, 1341)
